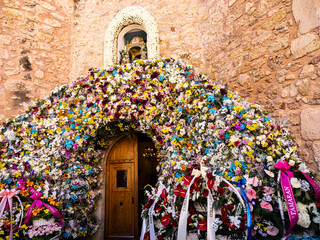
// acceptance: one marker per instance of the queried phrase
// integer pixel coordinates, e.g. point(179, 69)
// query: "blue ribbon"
point(240, 183)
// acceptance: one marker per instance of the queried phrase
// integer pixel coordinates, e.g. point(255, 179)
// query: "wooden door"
point(122, 190)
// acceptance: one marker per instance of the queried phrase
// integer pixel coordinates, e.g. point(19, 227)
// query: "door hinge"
point(132, 200)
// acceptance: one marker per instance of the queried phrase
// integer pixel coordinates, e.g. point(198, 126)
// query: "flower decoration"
point(221, 153)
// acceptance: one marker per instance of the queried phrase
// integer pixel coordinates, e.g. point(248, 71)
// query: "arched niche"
point(132, 15)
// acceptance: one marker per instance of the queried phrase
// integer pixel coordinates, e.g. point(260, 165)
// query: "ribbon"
point(7, 196)
point(211, 234)
point(240, 183)
point(38, 203)
point(183, 219)
point(285, 177)
point(143, 229)
point(315, 186)
point(151, 225)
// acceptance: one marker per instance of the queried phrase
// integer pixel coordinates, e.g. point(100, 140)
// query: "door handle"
point(121, 203)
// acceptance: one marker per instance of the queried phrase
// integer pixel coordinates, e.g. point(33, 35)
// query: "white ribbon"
point(143, 229)
point(151, 224)
point(183, 219)
point(280, 204)
point(211, 215)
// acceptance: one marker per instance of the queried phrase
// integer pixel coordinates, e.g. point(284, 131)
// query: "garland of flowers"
point(50, 154)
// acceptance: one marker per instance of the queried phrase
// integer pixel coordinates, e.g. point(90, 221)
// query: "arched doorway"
point(131, 165)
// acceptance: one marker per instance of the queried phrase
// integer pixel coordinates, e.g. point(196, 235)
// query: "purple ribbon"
point(286, 175)
point(315, 186)
point(38, 203)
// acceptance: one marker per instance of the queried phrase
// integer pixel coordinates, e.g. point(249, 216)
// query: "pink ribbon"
point(315, 186)
point(7, 196)
point(38, 203)
point(286, 175)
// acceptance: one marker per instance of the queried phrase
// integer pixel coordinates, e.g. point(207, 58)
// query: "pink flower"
point(268, 190)
point(272, 230)
point(254, 181)
point(251, 194)
point(266, 205)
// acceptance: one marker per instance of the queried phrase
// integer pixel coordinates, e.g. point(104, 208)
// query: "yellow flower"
point(1, 232)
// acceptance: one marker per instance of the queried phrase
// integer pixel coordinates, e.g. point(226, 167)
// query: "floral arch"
point(127, 16)
point(221, 158)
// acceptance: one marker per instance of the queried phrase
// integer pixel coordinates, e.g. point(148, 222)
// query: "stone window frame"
point(127, 16)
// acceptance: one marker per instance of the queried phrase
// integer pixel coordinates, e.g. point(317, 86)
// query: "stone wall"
point(267, 50)
point(35, 46)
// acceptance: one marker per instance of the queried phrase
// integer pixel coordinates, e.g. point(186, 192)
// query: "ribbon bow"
point(285, 178)
point(38, 203)
point(240, 183)
point(7, 196)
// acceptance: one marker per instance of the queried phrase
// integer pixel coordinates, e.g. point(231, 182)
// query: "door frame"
point(106, 166)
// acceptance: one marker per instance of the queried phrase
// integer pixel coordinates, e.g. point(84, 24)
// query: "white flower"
point(269, 159)
point(295, 182)
point(269, 173)
point(292, 163)
point(304, 220)
point(235, 221)
point(303, 168)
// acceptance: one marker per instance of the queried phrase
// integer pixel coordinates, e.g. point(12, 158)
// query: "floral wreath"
point(227, 169)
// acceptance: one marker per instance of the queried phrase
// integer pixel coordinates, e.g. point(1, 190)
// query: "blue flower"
point(211, 98)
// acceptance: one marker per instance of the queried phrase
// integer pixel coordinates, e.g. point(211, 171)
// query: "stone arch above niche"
point(123, 32)
point(127, 16)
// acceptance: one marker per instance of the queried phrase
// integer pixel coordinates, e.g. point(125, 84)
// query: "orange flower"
point(30, 183)
point(2, 186)
point(24, 192)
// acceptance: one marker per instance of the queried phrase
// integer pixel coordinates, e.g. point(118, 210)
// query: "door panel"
point(122, 190)
point(121, 199)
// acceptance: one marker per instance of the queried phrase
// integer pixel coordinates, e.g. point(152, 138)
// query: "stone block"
point(243, 79)
point(307, 71)
point(310, 124)
point(306, 12)
point(316, 151)
point(279, 44)
point(5, 40)
point(47, 6)
point(256, 53)
point(39, 74)
point(305, 44)
point(52, 23)
point(275, 18)
point(12, 3)
point(4, 53)
point(58, 16)
point(14, 13)
point(9, 23)
point(45, 37)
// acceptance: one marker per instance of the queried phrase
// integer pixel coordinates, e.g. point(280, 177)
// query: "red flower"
point(231, 226)
point(220, 190)
point(174, 223)
point(158, 209)
point(164, 193)
point(189, 220)
point(318, 204)
point(202, 225)
point(187, 180)
point(165, 220)
point(176, 191)
point(192, 211)
point(224, 219)
point(183, 192)
point(210, 183)
point(209, 175)
point(146, 236)
point(243, 226)
point(224, 210)
point(205, 192)
point(223, 91)
point(160, 237)
point(230, 207)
